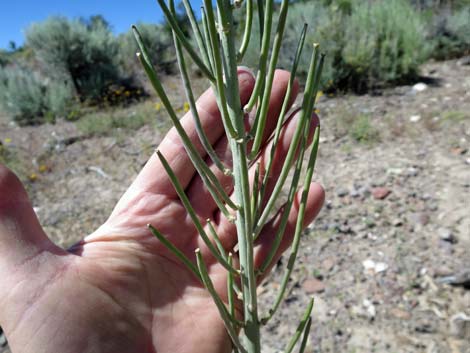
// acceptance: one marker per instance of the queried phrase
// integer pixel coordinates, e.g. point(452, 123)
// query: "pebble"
point(415, 118)
point(412, 172)
point(397, 222)
point(460, 326)
point(313, 285)
point(328, 264)
point(419, 87)
point(376, 267)
point(400, 313)
point(380, 181)
point(446, 235)
point(341, 192)
point(380, 193)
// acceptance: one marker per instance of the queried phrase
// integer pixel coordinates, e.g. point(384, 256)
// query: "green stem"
point(230, 283)
point(288, 205)
point(210, 180)
point(303, 344)
point(221, 90)
point(197, 31)
point(285, 107)
point(178, 253)
point(227, 319)
point(262, 113)
point(263, 59)
point(306, 113)
point(179, 33)
point(210, 49)
point(298, 226)
point(192, 102)
point(187, 205)
point(301, 328)
point(241, 188)
point(217, 241)
point(247, 32)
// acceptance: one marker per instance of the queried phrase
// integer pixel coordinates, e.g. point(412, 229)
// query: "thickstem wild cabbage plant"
point(217, 57)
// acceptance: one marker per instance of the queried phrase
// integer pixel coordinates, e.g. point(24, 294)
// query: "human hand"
point(120, 289)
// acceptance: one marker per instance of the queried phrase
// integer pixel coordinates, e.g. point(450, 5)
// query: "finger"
point(153, 177)
point(315, 200)
point(21, 236)
point(198, 194)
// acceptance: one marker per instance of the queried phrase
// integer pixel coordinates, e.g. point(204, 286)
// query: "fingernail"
point(245, 69)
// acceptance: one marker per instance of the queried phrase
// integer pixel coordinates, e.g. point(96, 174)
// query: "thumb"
point(21, 236)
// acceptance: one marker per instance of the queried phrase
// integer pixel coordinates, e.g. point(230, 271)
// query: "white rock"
point(370, 308)
point(415, 118)
point(377, 267)
point(420, 87)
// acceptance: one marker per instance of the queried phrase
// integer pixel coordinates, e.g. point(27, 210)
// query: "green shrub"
point(384, 43)
point(22, 95)
point(109, 121)
point(82, 53)
point(363, 131)
point(367, 43)
point(30, 100)
point(159, 42)
point(59, 100)
point(450, 34)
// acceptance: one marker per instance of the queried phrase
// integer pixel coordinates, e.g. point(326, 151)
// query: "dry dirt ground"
point(387, 260)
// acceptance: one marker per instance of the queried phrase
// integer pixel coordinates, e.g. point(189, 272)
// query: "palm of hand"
point(120, 290)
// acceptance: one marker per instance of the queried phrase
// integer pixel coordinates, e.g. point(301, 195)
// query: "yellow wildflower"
point(33, 177)
point(127, 93)
point(319, 94)
point(42, 168)
point(186, 107)
point(157, 106)
point(7, 140)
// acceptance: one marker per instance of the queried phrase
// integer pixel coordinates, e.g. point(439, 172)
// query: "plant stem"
point(247, 32)
point(301, 328)
point(298, 227)
point(187, 204)
point(262, 112)
point(189, 95)
point(228, 321)
point(179, 33)
point(241, 187)
point(261, 76)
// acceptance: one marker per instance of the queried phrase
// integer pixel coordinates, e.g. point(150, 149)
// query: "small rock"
point(415, 118)
point(342, 192)
point(442, 271)
point(464, 61)
point(397, 222)
point(395, 171)
point(460, 326)
point(370, 308)
point(313, 285)
point(458, 151)
point(376, 267)
point(446, 235)
point(328, 264)
point(412, 172)
point(380, 193)
point(460, 279)
point(400, 313)
point(419, 87)
point(380, 181)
